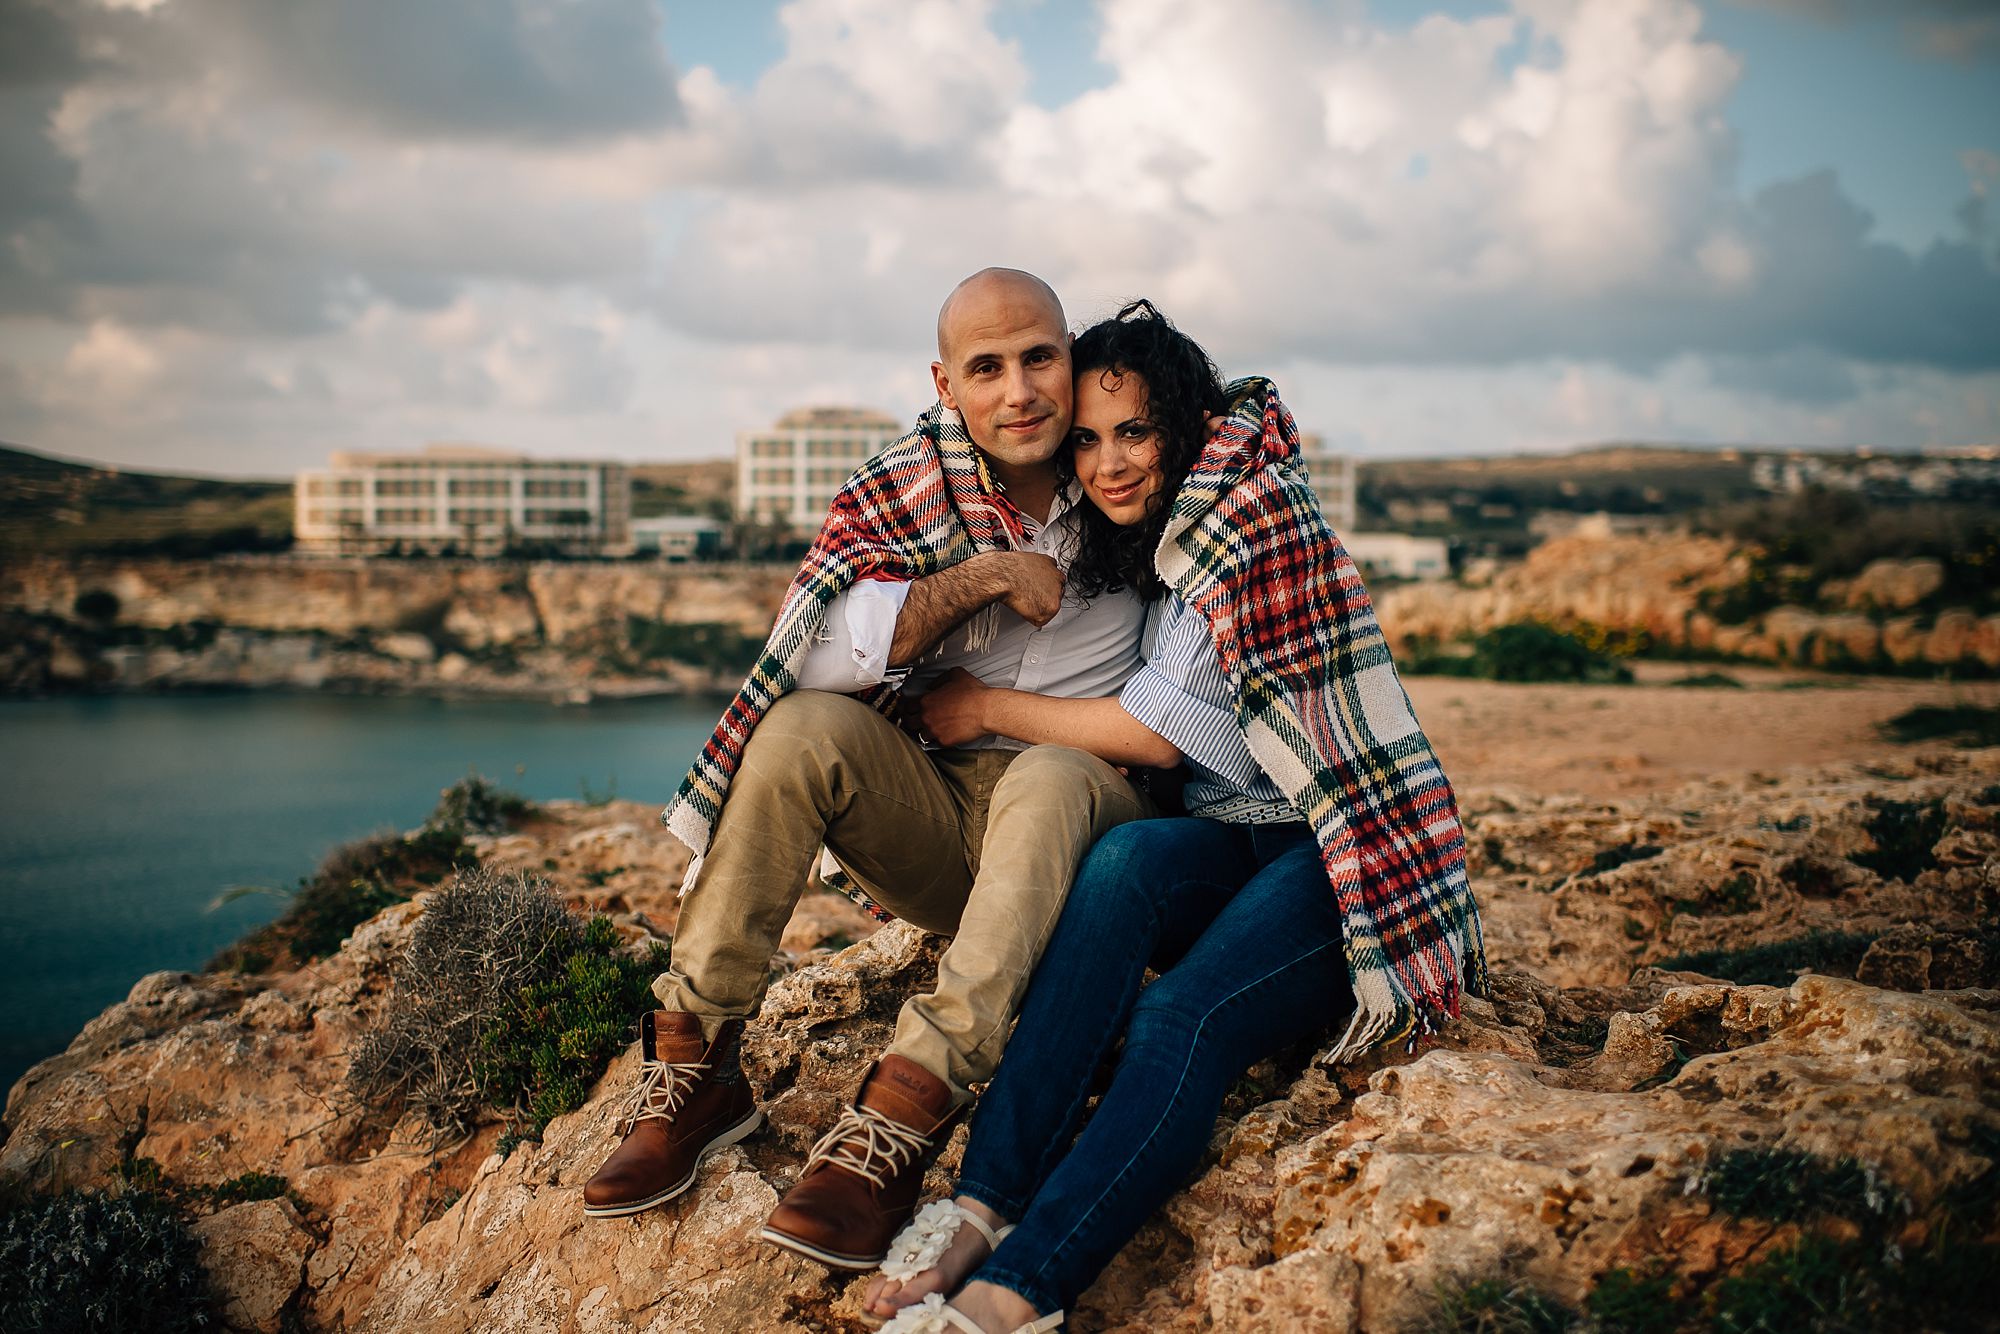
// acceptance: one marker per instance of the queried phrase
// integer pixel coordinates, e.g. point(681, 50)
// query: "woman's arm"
point(962, 708)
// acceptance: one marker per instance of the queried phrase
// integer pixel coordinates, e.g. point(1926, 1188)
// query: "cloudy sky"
point(242, 233)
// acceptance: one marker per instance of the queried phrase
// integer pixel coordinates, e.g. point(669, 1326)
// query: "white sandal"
point(927, 1236)
point(933, 1316)
point(918, 1248)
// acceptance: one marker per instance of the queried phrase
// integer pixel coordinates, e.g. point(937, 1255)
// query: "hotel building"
point(1333, 481)
point(463, 498)
point(787, 472)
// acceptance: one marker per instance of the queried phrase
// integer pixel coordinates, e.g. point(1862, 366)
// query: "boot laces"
point(868, 1144)
point(663, 1087)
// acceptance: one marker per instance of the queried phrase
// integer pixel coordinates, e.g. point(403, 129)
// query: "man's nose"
point(1019, 391)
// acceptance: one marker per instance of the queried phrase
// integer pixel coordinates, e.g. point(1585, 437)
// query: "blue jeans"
point(1241, 924)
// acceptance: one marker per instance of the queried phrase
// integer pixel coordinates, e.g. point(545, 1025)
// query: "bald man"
point(977, 842)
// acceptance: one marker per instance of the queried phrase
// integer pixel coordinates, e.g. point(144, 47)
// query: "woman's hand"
point(952, 712)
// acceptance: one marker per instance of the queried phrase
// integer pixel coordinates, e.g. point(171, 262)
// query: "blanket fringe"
point(1364, 1030)
point(694, 869)
point(981, 628)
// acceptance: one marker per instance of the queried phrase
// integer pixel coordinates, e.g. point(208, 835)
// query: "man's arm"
point(1028, 582)
point(961, 708)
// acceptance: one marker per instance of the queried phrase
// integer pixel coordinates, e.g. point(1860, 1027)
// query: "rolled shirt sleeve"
point(853, 648)
point(1182, 694)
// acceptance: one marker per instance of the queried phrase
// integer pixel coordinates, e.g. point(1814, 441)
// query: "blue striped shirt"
point(1182, 694)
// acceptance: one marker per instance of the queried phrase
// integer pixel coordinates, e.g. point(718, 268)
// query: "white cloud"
point(1521, 249)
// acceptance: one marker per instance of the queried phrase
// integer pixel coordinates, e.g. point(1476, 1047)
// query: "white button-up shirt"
point(1086, 651)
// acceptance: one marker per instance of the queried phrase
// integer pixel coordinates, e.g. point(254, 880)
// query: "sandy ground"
point(1616, 740)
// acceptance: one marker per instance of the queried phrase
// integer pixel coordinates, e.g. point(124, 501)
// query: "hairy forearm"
point(938, 602)
point(1100, 726)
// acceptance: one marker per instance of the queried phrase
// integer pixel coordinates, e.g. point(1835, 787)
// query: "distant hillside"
point(707, 486)
point(52, 505)
point(1486, 503)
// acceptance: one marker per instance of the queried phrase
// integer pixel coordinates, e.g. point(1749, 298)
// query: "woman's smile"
point(1116, 446)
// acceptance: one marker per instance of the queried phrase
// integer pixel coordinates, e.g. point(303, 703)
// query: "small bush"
point(1788, 1186)
point(1710, 681)
point(710, 644)
point(473, 805)
point(504, 999)
point(1904, 834)
point(84, 1261)
point(1496, 1306)
point(546, 1049)
point(1627, 1303)
point(1967, 724)
point(1525, 651)
point(97, 604)
point(1834, 953)
point(1610, 859)
point(359, 879)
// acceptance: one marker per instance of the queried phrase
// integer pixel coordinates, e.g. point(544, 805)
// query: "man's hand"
point(1035, 586)
point(951, 712)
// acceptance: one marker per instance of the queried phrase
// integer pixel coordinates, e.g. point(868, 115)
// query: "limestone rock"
point(256, 1255)
point(1564, 1126)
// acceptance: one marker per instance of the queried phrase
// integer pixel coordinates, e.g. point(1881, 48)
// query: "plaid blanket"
point(925, 503)
point(1324, 713)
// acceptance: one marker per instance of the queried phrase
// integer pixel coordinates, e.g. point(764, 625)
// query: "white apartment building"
point(463, 498)
point(788, 472)
point(1333, 481)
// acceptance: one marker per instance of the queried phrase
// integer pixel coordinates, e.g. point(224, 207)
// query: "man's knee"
point(1054, 774)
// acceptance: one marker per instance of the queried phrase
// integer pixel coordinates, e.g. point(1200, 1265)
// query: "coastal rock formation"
point(1654, 585)
point(382, 625)
point(1564, 1128)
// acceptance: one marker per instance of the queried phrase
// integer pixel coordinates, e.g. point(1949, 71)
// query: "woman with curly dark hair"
point(1319, 876)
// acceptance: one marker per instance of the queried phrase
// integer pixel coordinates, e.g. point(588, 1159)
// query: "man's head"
point(1003, 364)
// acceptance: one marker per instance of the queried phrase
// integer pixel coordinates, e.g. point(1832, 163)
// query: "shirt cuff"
point(853, 648)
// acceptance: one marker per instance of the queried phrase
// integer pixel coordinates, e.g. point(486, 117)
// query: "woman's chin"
point(1125, 512)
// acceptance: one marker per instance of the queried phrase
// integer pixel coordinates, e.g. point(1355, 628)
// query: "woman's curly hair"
point(1182, 388)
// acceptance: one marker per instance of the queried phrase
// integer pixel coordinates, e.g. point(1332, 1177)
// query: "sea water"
point(123, 819)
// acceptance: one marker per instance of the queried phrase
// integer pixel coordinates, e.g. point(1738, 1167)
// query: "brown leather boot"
point(691, 1100)
point(861, 1182)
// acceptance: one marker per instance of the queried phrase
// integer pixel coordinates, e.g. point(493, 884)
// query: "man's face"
point(1006, 371)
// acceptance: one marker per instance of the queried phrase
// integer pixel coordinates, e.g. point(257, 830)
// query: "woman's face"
point(1115, 445)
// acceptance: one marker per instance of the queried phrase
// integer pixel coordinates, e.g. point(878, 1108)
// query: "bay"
point(125, 816)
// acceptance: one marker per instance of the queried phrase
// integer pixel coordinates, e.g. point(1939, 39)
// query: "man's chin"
point(1022, 452)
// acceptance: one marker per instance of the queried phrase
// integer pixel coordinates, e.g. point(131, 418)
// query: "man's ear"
point(943, 385)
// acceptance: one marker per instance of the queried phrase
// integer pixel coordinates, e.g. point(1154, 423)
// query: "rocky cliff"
point(1579, 1127)
point(487, 627)
point(1656, 586)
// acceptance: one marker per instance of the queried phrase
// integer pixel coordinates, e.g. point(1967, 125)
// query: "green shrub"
point(1789, 1186)
point(359, 879)
point(1904, 834)
point(505, 1000)
point(97, 604)
point(710, 644)
point(1967, 724)
point(548, 1047)
point(1610, 859)
point(473, 805)
point(84, 1261)
point(1496, 1306)
point(1711, 681)
point(1626, 1303)
point(1524, 651)
point(1835, 953)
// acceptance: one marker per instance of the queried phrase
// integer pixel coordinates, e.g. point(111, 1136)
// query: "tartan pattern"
point(1324, 713)
point(925, 503)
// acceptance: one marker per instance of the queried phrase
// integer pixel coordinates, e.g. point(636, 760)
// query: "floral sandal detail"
point(921, 1244)
point(933, 1316)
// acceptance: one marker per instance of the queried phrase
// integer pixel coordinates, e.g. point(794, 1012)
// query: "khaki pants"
point(977, 844)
